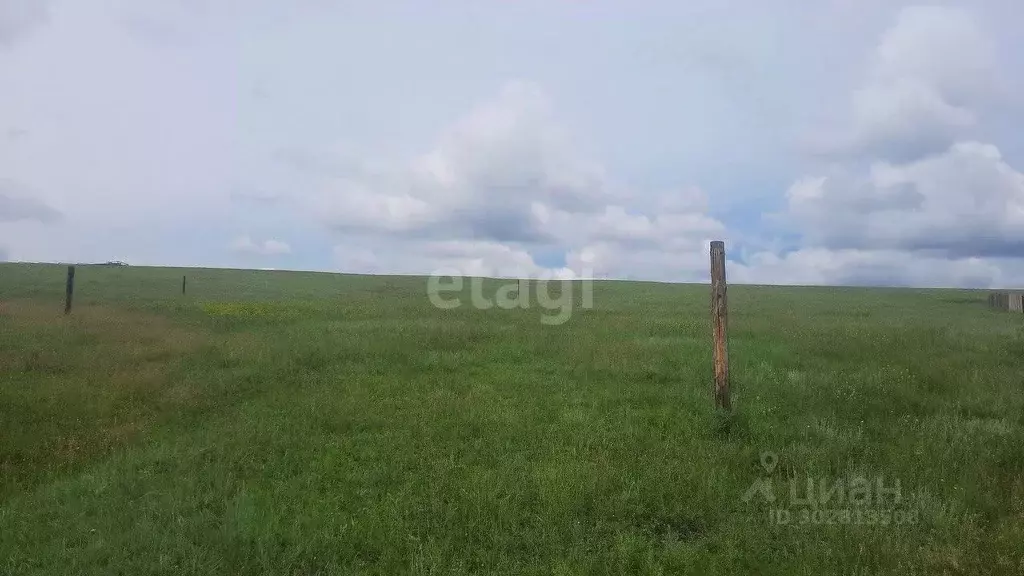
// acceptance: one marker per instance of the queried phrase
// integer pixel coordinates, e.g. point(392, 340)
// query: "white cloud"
point(271, 247)
point(932, 208)
point(165, 22)
point(905, 119)
point(941, 47)
point(256, 196)
point(822, 266)
point(961, 203)
point(17, 202)
point(464, 257)
point(929, 71)
point(501, 183)
point(491, 176)
point(678, 260)
point(141, 120)
point(19, 17)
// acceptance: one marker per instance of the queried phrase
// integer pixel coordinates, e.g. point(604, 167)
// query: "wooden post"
point(70, 290)
point(719, 320)
point(182, 285)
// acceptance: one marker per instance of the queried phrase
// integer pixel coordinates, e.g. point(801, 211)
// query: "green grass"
point(301, 423)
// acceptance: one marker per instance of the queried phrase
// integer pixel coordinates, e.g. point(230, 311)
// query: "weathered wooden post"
point(182, 285)
point(69, 290)
point(720, 322)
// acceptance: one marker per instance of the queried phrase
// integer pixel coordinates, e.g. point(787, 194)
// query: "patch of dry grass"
point(82, 385)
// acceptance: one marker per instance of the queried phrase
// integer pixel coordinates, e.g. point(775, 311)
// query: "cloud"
point(882, 267)
point(500, 184)
point(619, 225)
point(928, 72)
point(942, 47)
point(167, 22)
point(965, 202)
point(16, 205)
point(931, 207)
point(488, 177)
point(462, 257)
point(15, 134)
point(19, 17)
point(271, 247)
point(4, 254)
point(256, 196)
point(136, 119)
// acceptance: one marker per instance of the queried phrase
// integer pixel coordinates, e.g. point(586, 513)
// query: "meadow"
point(301, 423)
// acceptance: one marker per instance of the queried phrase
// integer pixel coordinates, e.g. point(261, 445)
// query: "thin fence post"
point(182, 285)
point(69, 290)
point(720, 322)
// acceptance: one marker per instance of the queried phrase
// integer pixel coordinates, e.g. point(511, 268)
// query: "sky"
point(834, 142)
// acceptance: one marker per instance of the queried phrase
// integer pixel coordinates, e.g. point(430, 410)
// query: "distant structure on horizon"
point(1010, 301)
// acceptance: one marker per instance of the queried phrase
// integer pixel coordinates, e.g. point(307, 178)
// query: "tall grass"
point(298, 423)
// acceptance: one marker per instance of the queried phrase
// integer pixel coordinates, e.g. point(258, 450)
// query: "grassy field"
point(300, 423)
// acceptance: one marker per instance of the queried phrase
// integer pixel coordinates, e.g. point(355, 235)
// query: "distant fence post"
point(182, 285)
point(69, 290)
point(719, 320)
